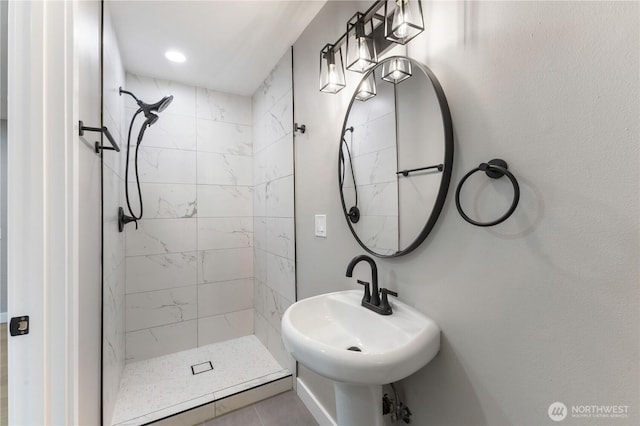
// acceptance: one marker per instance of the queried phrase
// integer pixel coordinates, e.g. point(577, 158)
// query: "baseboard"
point(3, 317)
point(314, 406)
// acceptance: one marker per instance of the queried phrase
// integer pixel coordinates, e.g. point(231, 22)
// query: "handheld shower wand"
point(354, 211)
point(151, 117)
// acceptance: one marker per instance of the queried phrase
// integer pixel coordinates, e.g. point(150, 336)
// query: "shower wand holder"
point(98, 146)
point(123, 219)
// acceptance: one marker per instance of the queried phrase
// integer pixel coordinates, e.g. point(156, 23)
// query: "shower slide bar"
point(114, 146)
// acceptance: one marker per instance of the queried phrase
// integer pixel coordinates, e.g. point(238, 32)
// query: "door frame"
point(42, 212)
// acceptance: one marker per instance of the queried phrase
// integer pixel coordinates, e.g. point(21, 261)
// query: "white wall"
point(544, 307)
point(274, 231)
point(3, 218)
point(3, 157)
point(87, 43)
point(113, 240)
point(189, 266)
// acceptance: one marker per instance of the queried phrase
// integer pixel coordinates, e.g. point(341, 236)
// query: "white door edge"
point(42, 207)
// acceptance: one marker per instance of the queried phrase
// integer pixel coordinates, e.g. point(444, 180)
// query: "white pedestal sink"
point(322, 333)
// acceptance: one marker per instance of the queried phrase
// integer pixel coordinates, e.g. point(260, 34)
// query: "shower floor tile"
point(155, 388)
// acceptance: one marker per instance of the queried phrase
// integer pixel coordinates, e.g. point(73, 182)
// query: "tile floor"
point(285, 409)
point(155, 388)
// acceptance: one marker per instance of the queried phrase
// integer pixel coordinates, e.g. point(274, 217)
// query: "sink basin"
point(319, 331)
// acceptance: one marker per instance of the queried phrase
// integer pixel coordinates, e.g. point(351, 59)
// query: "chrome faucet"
point(371, 299)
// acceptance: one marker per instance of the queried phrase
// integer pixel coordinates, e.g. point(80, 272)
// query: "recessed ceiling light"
point(174, 56)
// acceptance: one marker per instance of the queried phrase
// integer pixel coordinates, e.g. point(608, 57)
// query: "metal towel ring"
point(495, 169)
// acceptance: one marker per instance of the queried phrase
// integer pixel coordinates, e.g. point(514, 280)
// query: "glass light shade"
point(367, 88)
point(361, 50)
point(331, 70)
point(403, 20)
point(396, 70)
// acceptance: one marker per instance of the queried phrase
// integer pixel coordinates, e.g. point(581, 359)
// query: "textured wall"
point(274, 251)
point(544, 307)
point(189, 266)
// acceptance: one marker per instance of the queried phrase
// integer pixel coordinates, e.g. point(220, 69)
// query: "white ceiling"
point(230, 46)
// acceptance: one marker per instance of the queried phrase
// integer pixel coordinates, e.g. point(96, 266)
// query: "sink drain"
point(354, 348)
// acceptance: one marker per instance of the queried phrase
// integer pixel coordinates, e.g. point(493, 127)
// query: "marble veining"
point(225, 201)
point(163, 165)
point(224, 169)
point(220, 328)
point(279, 197)
point(260, 264)
point(376, 167)
point(224, 138)
point(113, 292)
point(155, 308)
point(169, 201)
point(158, 236)
point(273, 206)
point(379, 199)
point(280, 237)
point(225, 297)
point(221, 233)
point(152, 90)
point(156, 272)
point(170, 131)
point(281, 275)
point(218, 106)
point(374, 135)
point(225, 264)
point(379, 232)
point(161, 340)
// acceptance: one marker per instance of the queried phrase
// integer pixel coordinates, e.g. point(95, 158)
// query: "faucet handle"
point(385, 307)
point(387, 291)
point(367, 293)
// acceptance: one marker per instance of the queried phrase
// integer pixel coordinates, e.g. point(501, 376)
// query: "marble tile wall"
point(374, 155)
point(189, 265)
point(273, 221)
point(113, 241)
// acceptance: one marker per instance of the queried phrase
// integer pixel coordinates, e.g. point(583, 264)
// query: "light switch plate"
point(321, 225)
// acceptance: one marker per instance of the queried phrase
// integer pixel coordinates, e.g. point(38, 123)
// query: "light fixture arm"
point(364, 48)
point(366, 16)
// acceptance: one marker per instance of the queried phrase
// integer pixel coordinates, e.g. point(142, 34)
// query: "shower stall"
point(194, 290)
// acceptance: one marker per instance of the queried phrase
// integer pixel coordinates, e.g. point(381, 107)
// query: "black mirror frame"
point(446, 172)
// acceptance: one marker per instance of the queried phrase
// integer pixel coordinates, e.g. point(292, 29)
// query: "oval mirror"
point(395, 157)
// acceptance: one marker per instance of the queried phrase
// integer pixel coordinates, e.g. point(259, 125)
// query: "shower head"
point(159, 106)
point(148, 109)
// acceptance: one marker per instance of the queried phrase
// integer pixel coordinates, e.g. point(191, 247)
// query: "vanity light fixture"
point(368, 35)
point(361, 50)
point(331, 69)
point(404, 20)
point(396, 70)
point(174, 56)
point(367, 88)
